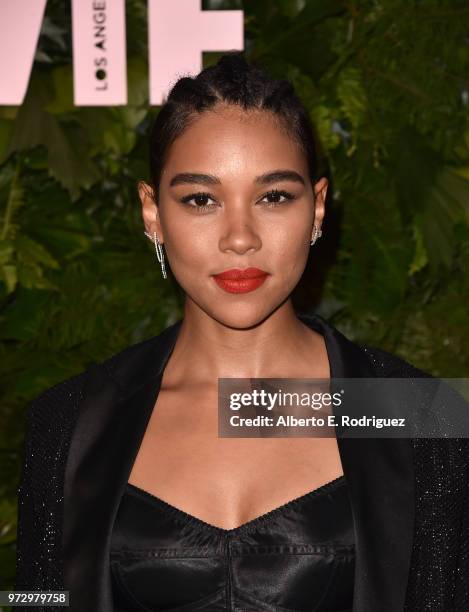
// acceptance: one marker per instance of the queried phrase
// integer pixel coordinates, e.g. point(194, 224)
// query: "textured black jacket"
point(409, 497)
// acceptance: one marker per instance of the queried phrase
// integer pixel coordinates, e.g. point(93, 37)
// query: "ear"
point(320, 191)
point(150, 212)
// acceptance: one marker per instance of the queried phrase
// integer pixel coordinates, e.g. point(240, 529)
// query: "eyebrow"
point(193, 177)
point(279, 175)
point(210, 179)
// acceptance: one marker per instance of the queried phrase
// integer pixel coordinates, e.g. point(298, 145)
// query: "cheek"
point(288, 244)
point(192, 247)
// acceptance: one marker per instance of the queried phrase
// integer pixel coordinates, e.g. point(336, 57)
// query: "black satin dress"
point(298, 557)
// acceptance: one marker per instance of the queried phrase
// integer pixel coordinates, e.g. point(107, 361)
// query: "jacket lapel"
point(380, 478)
point(119, 399)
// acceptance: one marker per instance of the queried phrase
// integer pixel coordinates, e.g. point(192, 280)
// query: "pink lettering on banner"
point(179, 32)
point(99, 52)
point(20, 24)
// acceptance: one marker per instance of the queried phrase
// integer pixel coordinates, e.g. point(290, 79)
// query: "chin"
point(242, 316)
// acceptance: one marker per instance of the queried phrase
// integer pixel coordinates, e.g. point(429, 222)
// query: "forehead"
point(229, 141)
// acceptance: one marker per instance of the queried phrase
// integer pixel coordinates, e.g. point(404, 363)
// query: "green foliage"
point(386, 85)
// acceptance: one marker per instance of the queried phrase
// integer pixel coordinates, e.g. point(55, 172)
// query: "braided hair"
point(232, 80)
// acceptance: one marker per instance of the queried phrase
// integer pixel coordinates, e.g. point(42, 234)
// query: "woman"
point(131, 501)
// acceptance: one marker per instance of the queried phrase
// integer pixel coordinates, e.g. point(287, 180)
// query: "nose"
point(239, 233)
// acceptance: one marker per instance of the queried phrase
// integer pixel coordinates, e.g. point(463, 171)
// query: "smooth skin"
point(229, 481)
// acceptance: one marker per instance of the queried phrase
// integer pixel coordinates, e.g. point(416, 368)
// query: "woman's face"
point(235, 193)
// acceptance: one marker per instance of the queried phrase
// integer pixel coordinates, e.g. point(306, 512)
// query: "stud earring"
point(159, 251)
point(317, 233)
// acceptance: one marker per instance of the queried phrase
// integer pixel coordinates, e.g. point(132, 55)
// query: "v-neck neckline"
point(261, 519)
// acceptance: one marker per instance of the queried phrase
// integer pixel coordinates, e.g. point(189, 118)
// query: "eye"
point(275, 196)
point(200, 199)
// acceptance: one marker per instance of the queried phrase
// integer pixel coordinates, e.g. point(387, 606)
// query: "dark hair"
point(231, 80)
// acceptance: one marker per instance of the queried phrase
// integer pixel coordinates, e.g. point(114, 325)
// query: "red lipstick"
point(240, 281)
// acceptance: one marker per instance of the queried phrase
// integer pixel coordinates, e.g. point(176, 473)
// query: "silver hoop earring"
point(159, 251)
point(317, 233)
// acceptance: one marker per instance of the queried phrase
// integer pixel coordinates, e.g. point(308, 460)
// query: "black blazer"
point(410, 498)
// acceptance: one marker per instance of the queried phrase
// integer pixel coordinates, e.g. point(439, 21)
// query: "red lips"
point(240, 281)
